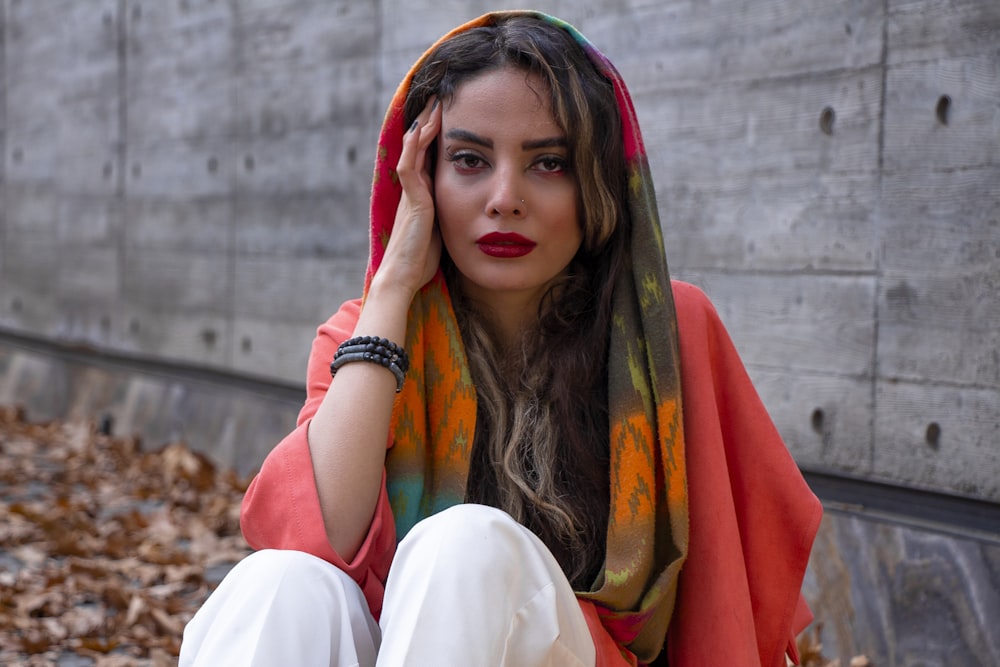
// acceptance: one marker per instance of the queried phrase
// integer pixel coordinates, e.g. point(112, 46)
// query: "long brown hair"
point(541, 445)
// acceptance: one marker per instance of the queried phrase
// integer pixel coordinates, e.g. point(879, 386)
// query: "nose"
point(504, 200)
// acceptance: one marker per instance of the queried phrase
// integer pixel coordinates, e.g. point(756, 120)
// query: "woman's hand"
point(414, 249)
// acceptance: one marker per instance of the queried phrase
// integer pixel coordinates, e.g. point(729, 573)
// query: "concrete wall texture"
point(184, 190)
point(187, 181)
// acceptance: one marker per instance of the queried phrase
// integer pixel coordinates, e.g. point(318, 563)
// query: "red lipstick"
point(505, 245)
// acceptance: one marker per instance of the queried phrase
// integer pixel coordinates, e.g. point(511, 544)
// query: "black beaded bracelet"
point(381, 346)
point(373, 349)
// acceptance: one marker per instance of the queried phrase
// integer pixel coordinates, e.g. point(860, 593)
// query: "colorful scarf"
point(435, 416)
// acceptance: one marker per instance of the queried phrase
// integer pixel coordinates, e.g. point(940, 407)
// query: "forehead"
point(502, 99)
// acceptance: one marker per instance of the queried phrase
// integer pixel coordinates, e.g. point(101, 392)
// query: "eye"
point(552, 164)
point(466, 161)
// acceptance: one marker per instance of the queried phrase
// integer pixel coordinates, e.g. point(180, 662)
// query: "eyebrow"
point(473, 138)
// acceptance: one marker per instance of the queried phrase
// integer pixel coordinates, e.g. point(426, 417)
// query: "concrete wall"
point(183, 198)
point(187, 181)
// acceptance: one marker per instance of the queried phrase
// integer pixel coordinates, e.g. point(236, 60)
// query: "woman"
point(553, 500)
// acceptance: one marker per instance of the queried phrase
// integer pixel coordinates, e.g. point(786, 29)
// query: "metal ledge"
point(918, 508)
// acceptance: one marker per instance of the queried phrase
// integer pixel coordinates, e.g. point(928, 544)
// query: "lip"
point(505, 245)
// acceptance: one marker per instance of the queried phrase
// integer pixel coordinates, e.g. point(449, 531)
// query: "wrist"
point(376, 350)
point(385, 311)
point(390, 292)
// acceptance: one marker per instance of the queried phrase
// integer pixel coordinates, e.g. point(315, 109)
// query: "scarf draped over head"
point(434, 419)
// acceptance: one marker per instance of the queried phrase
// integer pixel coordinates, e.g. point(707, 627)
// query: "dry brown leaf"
point(167, 623)
point(105, 546)
point(115, 661)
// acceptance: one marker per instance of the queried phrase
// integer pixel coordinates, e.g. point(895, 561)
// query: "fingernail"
point(414, 125)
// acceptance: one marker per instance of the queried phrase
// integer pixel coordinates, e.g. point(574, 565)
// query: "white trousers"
point(468, 587)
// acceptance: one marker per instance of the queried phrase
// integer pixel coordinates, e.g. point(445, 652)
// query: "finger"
point(428, 111)
point(418, 138)
point(421, 119)
point(413, 147)
point(424, 128)
point(424, 162)
point(430, 116)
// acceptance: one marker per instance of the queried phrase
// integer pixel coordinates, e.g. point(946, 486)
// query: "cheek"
point(449, 215)
point(439, 165)
point(455, 203)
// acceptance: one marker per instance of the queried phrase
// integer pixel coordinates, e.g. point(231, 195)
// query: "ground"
point(106, 550)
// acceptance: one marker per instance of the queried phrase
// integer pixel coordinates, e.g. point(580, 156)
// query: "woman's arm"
point(281, 508)
point(348, 434)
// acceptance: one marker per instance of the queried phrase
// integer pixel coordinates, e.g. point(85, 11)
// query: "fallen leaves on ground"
point(106, 551)
point(811, 651)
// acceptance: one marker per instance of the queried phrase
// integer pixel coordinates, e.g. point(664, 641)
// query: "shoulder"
point(701, 333)
point(692, 305)
point(688, 294)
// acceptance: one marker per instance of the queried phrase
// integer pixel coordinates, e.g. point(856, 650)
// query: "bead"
point(373, 349)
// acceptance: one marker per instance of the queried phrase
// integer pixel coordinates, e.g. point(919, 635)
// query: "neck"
point(509, 313)
point(510, 317)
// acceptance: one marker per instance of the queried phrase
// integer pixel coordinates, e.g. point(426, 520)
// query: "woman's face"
point(505, 195)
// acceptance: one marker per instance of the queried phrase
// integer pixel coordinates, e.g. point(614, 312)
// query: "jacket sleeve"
point(752, 516)
point(281, 507)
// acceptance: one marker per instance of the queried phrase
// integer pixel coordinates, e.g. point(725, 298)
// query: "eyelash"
point(460, 156)
point(558, 164)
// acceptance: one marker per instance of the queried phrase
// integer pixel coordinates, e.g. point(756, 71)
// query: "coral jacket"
point(752, 516)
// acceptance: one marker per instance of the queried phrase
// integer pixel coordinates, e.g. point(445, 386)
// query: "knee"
point(271, 563)
point(276, 606)
point(471, 536)
point(464, 525)
point(293, 574)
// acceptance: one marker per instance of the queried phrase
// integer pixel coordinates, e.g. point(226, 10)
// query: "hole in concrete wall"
point(208, 336)
point(943, 109)
point(248, 162)
point(352, 155)
point(213, 164)
point(133, 326)
point(105, 323)
point(136, 170)
point(933, 435)
point(107, 170)
point(817, 419)
point(847, 28)
point(107, 424)
point(826, 119)
point(246, 344)
point(16, 305)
